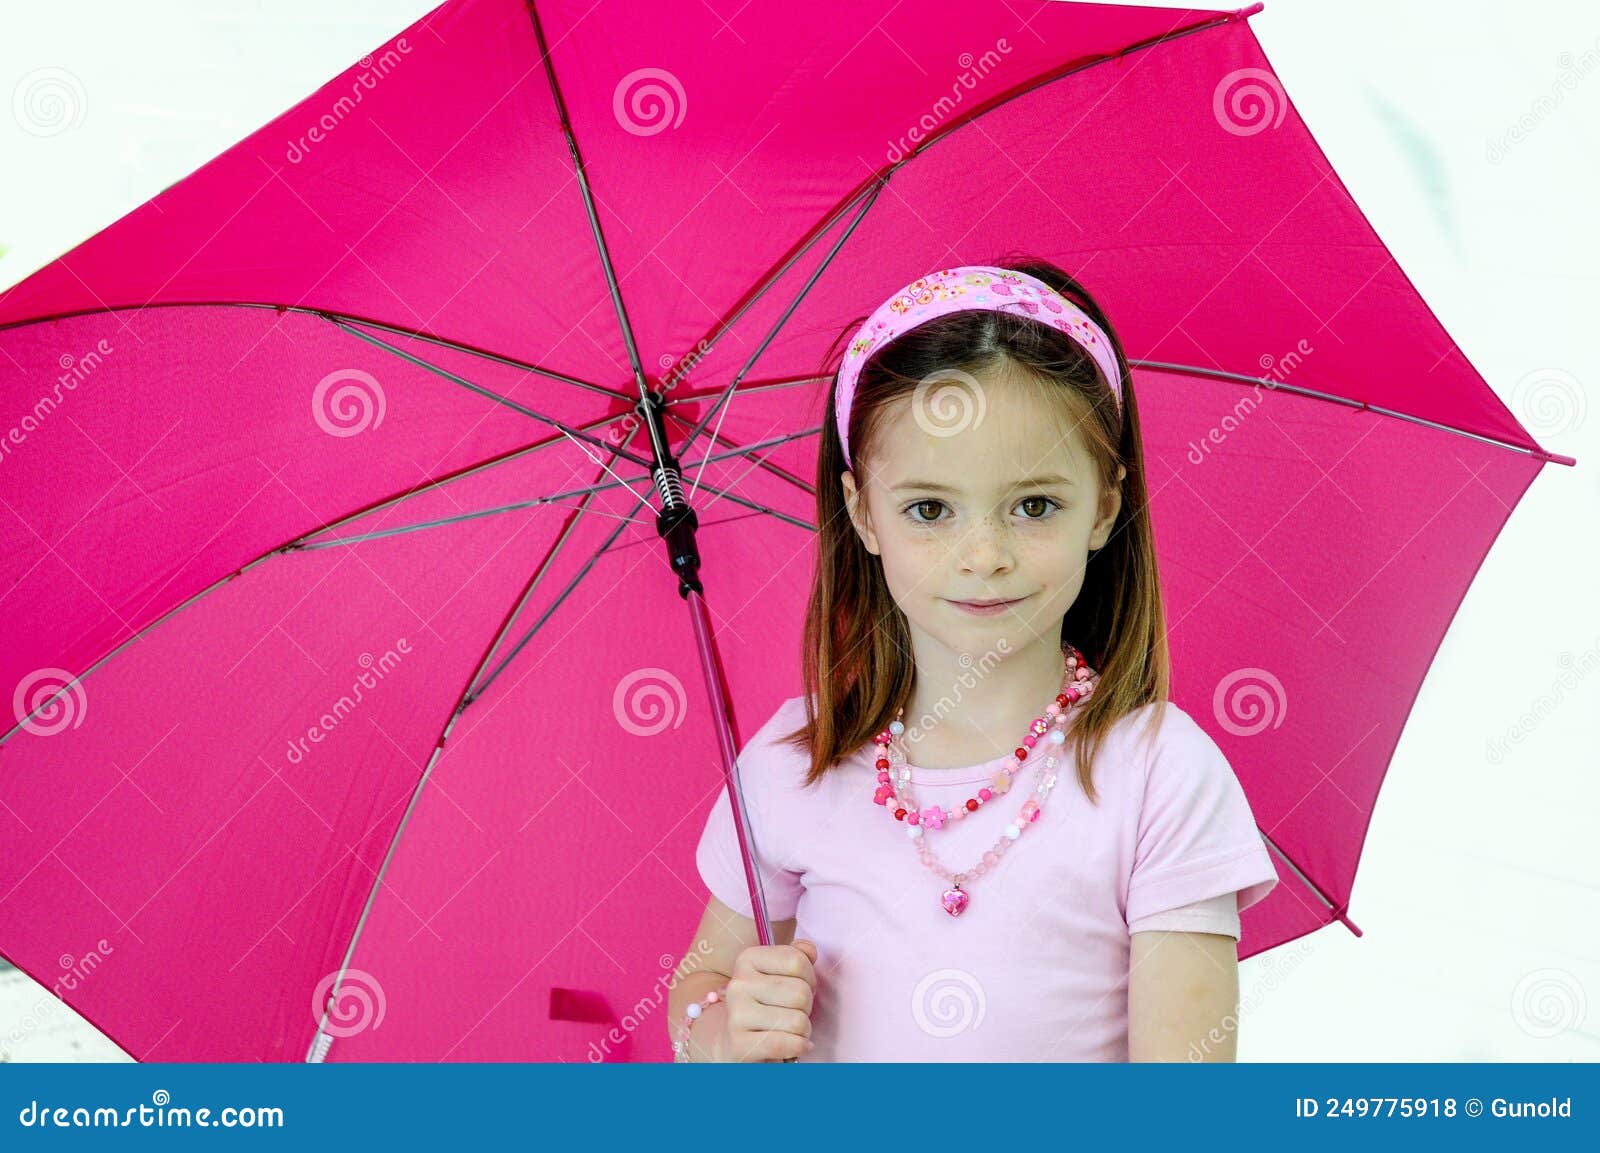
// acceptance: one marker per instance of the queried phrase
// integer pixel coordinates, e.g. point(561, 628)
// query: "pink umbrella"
point(343, 664)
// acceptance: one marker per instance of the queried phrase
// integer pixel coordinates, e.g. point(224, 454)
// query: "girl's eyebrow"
point(935, 486)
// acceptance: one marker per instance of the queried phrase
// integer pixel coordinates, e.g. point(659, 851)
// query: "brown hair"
point(856, 638)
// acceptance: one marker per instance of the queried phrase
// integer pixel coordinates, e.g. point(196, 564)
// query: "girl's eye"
point(1041, 507)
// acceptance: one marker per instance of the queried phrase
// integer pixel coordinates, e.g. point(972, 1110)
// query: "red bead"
point(883, 762)
point(899, 814)
point(972, 806)
point(1021, 753)
point(1061, 699)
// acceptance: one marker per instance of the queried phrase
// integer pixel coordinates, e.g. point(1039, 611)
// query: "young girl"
point(983, 833)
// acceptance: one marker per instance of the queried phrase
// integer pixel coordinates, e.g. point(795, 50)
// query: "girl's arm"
point(1183, 996)
point(721, 937)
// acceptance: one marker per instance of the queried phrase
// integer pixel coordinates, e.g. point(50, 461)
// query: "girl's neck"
point(965, 712)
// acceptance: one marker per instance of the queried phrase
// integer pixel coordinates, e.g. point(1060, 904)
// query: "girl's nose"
point(986, 549)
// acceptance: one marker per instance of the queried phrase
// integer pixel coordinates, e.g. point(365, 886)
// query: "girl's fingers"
point(783, 992)
point(755, 1017)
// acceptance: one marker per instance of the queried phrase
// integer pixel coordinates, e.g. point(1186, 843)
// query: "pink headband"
point(969, 287)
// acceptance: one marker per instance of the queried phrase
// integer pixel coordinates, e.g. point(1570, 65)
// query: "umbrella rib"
point(776, 470)
point(553, 499)
point(320, 1042)
point(1311, 393)
point(816, 274)
point(1337, 910)
point(878, 179)
point(582, 175)
point(757, 386)
point(326, 313)
point(572, 433)
point(298, 544)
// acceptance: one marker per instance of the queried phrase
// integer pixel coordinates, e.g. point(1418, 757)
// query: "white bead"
point(897, 727)
point(693, 1010)
point(914, 831)
point(905, 774)
point(1057, 736)
point(1013, 831)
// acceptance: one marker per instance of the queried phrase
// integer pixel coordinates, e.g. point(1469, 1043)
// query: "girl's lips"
point(987, 610)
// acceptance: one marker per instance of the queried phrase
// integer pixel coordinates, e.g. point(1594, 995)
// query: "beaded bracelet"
point(680, 1047)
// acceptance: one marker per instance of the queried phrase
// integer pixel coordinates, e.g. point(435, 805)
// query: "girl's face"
point(1004, 505)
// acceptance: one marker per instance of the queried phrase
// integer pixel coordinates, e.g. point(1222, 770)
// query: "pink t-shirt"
point(1036, 967)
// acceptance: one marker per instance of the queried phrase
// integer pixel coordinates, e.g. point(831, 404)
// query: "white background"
point(1479, 891)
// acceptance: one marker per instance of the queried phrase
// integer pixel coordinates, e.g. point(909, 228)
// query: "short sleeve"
point(766, 766)
point(1219, 914)
point(1197, 837)
point(722, 868)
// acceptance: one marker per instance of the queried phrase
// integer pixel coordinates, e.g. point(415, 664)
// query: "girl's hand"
point(769, 999)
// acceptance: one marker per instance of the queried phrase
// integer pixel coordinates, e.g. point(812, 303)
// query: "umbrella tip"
point(1246, 13)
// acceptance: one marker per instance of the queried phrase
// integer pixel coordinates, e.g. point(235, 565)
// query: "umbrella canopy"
point(336, 626)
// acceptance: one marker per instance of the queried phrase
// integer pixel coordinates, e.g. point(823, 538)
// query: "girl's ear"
point(855, 502)
point(1111, 502)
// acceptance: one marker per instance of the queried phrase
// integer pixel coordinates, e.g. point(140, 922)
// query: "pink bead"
point(914, 817)
point(1082, 674)
point(1029, 809)
point(1030, 740)
point(1072, 694)
point(991, 858)
point(1053, 709)
point(883, 778)
point(985, 795)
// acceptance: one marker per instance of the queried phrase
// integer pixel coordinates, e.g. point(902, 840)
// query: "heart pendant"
point(954, 901)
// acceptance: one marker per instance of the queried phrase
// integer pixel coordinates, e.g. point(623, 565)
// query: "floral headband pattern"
point(965, 288)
